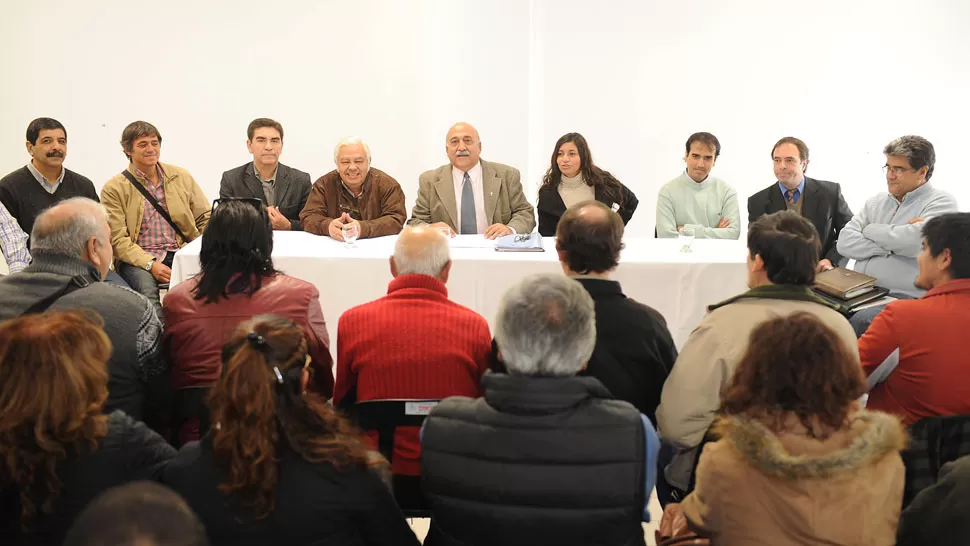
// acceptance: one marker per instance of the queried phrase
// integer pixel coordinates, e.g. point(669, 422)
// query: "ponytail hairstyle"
point(259, 403)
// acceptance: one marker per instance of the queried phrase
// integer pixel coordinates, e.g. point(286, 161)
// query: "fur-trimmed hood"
point(869, 438)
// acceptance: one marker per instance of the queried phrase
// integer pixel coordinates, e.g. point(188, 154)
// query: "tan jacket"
point(505, 203)
point(759, 487)
point(186, 203)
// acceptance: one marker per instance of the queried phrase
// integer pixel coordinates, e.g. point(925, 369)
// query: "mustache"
point(462, 153)
point(55, 153)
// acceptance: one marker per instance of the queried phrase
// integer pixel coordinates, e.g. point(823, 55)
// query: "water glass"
point(686, 238)
point(350, 232)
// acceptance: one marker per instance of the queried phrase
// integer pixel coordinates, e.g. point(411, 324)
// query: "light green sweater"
point(683, 202)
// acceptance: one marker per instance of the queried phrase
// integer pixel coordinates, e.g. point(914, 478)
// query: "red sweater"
point(921, 343)
point(412, 343)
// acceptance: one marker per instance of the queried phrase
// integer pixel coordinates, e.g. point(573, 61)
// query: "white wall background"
point(635, 77)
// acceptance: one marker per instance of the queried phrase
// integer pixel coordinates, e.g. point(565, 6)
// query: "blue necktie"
point(469, 223)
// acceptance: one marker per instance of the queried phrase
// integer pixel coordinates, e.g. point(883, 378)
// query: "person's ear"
point(445, 271)
point(304, 379)
point(757, 263)
point(945, 259)
point(393, 267)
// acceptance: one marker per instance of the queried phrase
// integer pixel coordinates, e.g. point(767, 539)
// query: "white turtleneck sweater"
point(575, 190)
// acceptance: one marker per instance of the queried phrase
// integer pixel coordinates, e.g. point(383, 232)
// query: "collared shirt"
point(478, 191)
point(349, 202)
point(269, 186)
point(799, 191)
point(49, 187)
point(156, 236)
point(13, 242)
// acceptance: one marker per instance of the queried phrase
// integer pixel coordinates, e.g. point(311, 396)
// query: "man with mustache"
point(44, 181)
point(819, 201)
point(284, 190)
point(472, 195)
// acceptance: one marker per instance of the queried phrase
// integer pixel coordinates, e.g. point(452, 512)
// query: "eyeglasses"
point(256, 203)
point(522, 238)
point(896, 170)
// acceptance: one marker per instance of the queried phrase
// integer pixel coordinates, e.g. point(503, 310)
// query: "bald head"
point(589, 238)
point(421, 250)
point(463, 145)
point(77, 227)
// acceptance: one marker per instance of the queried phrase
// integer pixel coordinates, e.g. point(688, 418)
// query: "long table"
point(652, 271)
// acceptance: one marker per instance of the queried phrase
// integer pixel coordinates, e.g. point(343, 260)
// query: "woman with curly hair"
point(573, 178)
point(279, 466)
point(798, 461)
point(59, 450)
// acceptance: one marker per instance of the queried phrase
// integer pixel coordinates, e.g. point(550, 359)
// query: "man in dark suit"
point(284, 190)
point(634, 350)
point(819, 201)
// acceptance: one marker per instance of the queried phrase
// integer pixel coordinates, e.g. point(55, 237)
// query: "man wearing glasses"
point(283, 189)
point(354, 193)
point(818, 201)
point(886, 236)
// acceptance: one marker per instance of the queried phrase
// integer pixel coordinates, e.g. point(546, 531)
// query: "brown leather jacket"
point(380, 207)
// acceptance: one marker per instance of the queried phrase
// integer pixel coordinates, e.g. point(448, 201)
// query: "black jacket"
point(551, 207)
point(634, 349)
point(315, 504)
point(292, 189)
point(536, 461)
point(129, 452)
point(938, 515)
point(822, 204)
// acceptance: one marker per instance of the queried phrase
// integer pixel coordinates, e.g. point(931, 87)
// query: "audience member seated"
point(819, 201)
point(413, 343)
point(354, 193)
point(782, 256)
point(279, 465)
point(137, 514)
point(697, 200)
point(634, 351)
point(72, 253)
point(938, 515)
point(44, 181)
point(144, 239)
point(284, 190)
point(472, 195)
point(13, 242)
point(798, 461)
point(60, 451)
point(545, 457)
point(912, 352)
point(237, 281)
point(884, 238)
point(573, 178)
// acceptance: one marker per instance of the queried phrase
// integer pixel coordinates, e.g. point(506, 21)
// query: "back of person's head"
point(546, 326)
point(237, 249)
point(421, 250)
point(260, 401)
point(589, 238)
point(76, 227)
point(795, 365)
point(53, 384)
point(950, 232)
point(789, 246)
point(137, 514)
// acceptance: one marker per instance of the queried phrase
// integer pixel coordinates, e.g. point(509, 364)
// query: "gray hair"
point(68, 233)
point(916, 149)
point(546, 326)
point(421, 259)
point(350, 141)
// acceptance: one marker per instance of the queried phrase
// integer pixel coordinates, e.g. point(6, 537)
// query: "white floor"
point(420, 525)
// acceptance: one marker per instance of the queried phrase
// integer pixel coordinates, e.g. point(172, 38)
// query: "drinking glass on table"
point(686, 238)
point(350, 232)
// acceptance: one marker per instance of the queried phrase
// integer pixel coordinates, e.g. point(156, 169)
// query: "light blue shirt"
point(799, 191)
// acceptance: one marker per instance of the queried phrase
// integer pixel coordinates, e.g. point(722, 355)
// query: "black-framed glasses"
point(256, 203)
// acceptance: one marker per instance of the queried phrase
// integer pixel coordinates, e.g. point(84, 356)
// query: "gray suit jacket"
point(292, 189)
point(505, 203)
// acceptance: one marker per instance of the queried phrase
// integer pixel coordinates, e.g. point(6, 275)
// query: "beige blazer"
point(505, 203)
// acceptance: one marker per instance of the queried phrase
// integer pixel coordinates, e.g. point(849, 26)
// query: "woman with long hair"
point(573, 178)
point(59, 450)
point(237, 281)
point(279, 466)
point(798, 461)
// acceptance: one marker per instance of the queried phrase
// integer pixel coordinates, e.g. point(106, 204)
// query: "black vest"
point(536, 461)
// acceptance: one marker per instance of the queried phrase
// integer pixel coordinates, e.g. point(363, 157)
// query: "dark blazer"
point(822, 204)
point(292, 189)
point(551, 207)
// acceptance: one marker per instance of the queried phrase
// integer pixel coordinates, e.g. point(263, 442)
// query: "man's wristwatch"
point(148, 266)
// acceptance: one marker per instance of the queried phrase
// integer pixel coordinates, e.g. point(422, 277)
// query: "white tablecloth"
point(651, 271)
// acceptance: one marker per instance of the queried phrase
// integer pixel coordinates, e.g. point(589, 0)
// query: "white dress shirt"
point(478, 191)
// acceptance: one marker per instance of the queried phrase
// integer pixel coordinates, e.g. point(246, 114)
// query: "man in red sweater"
point(913, 352)
point(412, 343)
